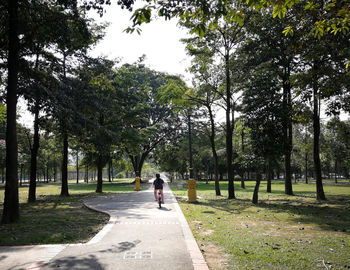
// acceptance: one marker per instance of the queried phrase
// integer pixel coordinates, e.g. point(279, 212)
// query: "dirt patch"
point(215, 259)
point(206, 233)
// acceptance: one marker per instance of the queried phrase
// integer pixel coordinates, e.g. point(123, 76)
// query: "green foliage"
point(2, 113)
point(262, 106)
point(288, 31)
point(174, 94)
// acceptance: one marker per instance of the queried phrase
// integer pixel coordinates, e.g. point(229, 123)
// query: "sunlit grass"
point(281, 232)
point(119, 185)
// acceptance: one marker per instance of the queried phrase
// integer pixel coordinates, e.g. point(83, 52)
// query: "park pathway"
point(138, 236)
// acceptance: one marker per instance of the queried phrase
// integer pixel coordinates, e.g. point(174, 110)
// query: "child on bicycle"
point(158, 184)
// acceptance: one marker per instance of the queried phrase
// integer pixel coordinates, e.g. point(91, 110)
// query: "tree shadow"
point(85, 263)
point(121, 247)
point(2, 257)
point(89, 261)
point(330, 215)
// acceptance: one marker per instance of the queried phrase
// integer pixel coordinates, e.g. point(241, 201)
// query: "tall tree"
point(103, 129)
point(261, 106)
point(267, 46)
point(323, 78)
point(221, 41)
point(11, 205)
point(207, 81)
point(147, 121)
point(76, 35)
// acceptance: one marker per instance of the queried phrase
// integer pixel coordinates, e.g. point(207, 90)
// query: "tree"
point(337, 145)
point(333, 15)
point(220, 41)
point(11, 205)
point(102, 129)
point(76, 34)
point(323, 77)
point(267, 46)
point(207, 81)
point(261, 106)
point(147, 121)
point(14, 9)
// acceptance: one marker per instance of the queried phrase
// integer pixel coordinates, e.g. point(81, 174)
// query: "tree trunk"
point(11, 204)
point(306, 168)
point(137, 163)
point(87, 174)
point(336, 171)
point(215, 155)
point(54, 171)
point(21, 175)
point(99, 174)
point(47, 173)
point(34, 155)
point(109, 170)
point(243, 182)
point(112, 170)
point(229, 132)
point(316, 124)
point(77, 166)
point(190, 146)
point(64, 171)
point(288, 136)
point(256, 189)
point(269, 168)
point(242, 137)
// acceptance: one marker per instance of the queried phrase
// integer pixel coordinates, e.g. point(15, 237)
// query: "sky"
point(159, 41)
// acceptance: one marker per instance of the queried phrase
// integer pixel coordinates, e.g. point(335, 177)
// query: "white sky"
point(159, 41)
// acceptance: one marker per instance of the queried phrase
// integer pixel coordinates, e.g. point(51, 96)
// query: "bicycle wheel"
point(160, 200)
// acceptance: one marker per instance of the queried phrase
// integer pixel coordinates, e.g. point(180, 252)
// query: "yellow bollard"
point(137, 184)
point(192, 196)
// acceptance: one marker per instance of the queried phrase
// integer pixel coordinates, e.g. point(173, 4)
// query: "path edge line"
point(196, 255)
point(98, 237)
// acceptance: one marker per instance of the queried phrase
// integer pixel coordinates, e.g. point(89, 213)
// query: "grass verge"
point(281, 232)
point(56, 220)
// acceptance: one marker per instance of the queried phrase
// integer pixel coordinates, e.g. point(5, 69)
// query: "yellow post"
point(192, 196)
point(137, 184)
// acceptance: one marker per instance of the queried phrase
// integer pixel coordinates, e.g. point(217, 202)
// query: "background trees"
point(284, 69)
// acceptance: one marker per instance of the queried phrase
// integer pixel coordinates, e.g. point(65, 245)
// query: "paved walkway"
point(137, 236)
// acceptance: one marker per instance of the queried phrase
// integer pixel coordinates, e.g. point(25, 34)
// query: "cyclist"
point(158, 184)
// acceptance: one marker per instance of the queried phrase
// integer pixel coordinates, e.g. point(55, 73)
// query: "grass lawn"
point(54, 219)
point(281, 232)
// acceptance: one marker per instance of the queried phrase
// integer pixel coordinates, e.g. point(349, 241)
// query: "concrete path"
point(138, 236)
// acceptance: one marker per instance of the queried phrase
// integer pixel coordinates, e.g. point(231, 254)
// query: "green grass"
point(281, 232)
point(121, 185)
point(54, 219)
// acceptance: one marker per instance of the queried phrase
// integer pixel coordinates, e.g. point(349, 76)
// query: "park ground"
point(281, 232)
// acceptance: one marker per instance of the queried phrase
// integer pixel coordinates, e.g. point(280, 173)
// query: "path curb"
point(97, 238)
point(196, 255)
